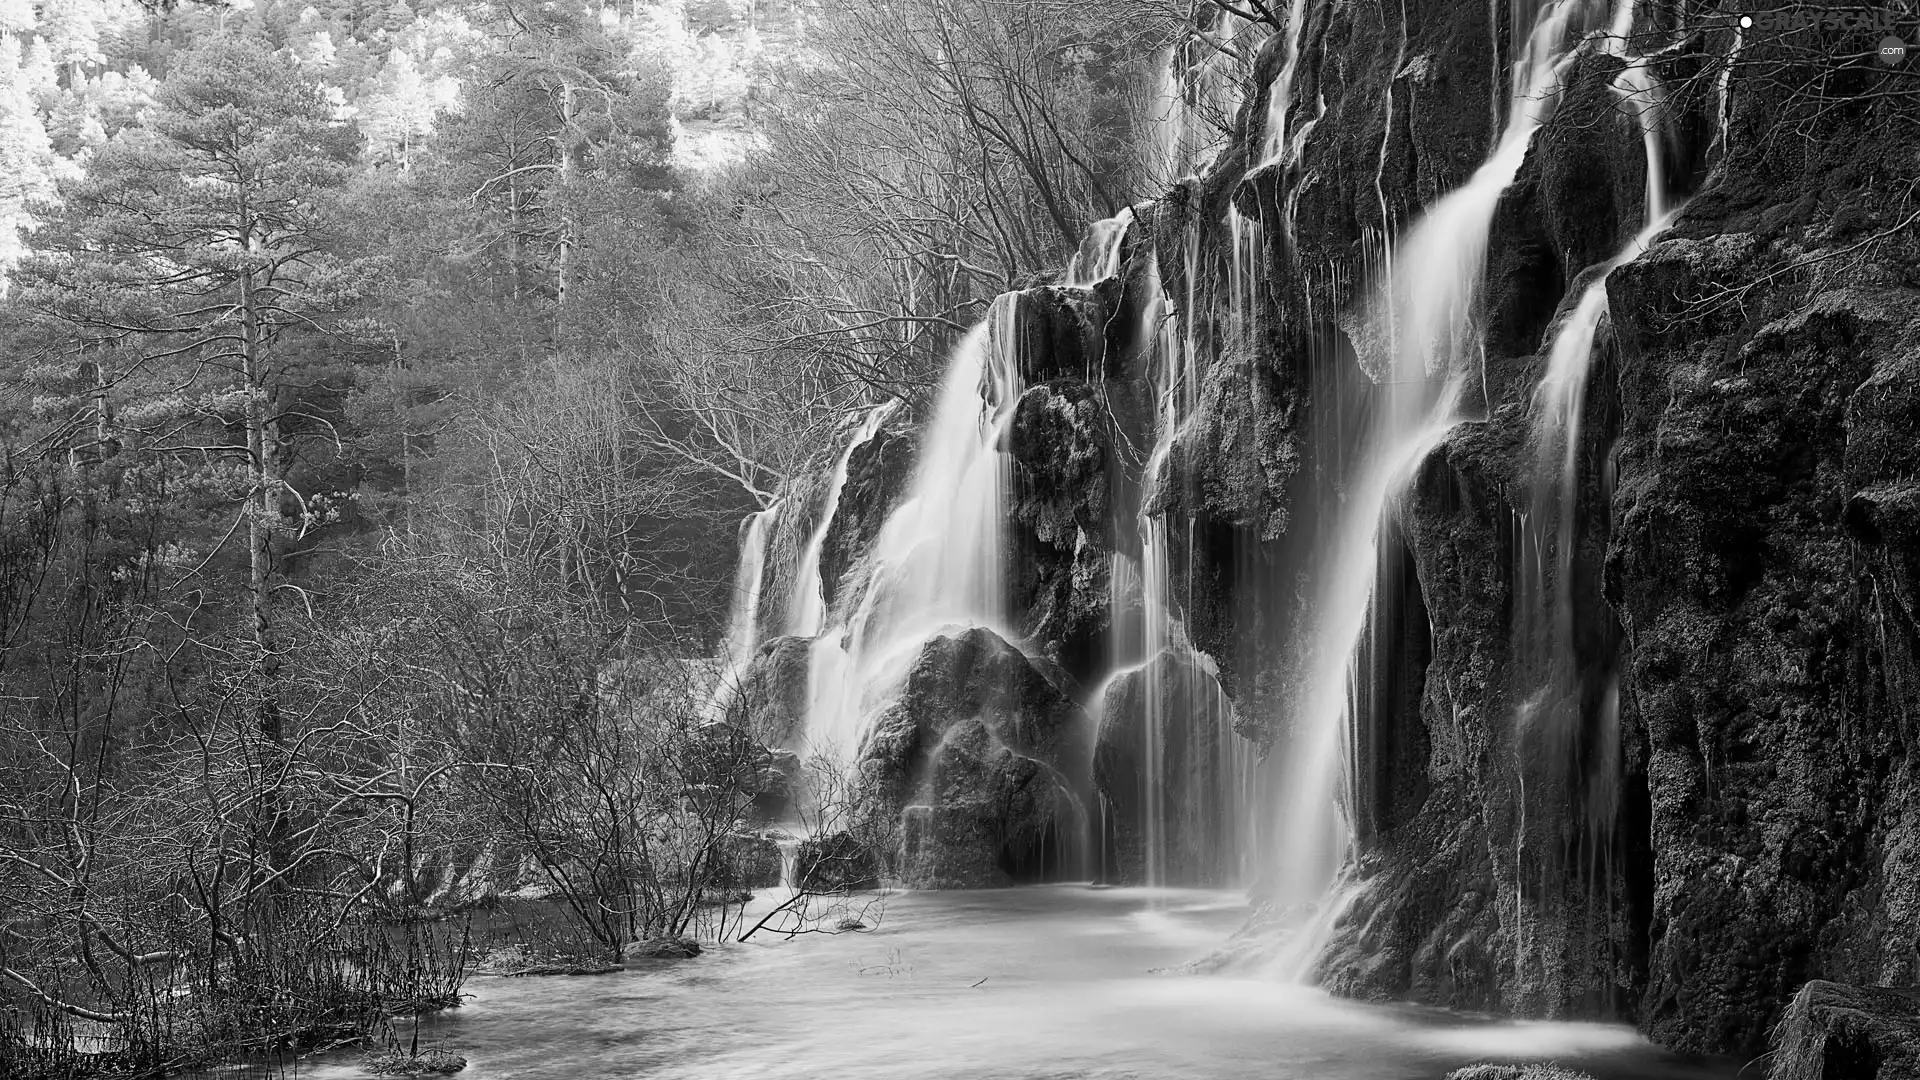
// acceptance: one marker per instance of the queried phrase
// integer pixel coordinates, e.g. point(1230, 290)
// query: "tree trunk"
point(564, 259)
point(266, 487)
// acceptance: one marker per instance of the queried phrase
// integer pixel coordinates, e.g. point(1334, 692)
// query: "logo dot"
point(1746, 22)
point(1892, 50)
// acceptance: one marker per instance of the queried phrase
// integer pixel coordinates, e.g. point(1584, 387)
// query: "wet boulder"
point(1060, 442)
point(836, 862)
point(1060, 333)
point(770, 695)
point(1166, 765)
point(1834, 1031)
point(753, 862)
point(984, 755)
point(878, 474)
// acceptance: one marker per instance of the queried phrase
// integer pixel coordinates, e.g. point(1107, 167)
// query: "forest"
point(382, 397)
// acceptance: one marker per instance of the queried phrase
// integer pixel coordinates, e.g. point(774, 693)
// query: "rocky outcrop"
point(985, 753)
point(1763, 566)
point(1165, 767)
point(837, 862)
point(1833, 1032)
point(877, 475)
point(770, 698)
point(754, 862)
point(1059, 441)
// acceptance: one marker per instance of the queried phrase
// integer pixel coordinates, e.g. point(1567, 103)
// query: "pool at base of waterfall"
point(1041, 983)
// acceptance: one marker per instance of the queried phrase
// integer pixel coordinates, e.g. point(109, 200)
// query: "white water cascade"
point(1197, 775)
point(743, 614)
point(807, 608)
point(1195, 97)
point(1274, 143)
point(1424, 355)
point(939, 561)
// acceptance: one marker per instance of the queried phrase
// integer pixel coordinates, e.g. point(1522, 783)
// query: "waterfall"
point(1195, 96)
point(1273, 143)
point(1570, 703)
point(807, 610)
point(939, 560)
point(1196, 773)
point(1424, 350)
point(743, 611)
point(743, 614)
point(1098, 257)
point(1243, 277)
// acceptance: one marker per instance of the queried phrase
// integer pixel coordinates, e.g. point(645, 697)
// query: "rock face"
point(1164, 767)
point(877, 475)
point(838, 862)
point(771, 698)
point(1763, 566)
point(986, 754)
point(1729, 810)
point(1722, 805)
point(1857, 1032)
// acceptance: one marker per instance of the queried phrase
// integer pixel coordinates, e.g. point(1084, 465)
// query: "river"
point(1045, 983)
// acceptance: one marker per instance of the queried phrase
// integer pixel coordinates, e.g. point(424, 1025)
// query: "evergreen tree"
point(199, 244)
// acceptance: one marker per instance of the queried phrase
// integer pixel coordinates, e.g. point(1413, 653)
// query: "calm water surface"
point(1068, 993)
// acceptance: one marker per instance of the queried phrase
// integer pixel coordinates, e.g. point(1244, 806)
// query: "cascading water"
point(1567, 723)
point(1099, 255)
point(743, 614)
point(1195, 97)
point(807, 610)
point(1196, 773)
point(743, 611)
point(1426, 351)
point(1274, 143)
point(939, 559)
point(1243, 277)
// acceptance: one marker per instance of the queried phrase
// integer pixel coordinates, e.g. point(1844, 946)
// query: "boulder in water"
point(836, 862)
point(984, 753)
point(754, 862)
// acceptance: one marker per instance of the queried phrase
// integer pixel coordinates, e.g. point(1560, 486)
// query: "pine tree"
point(200, 241)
